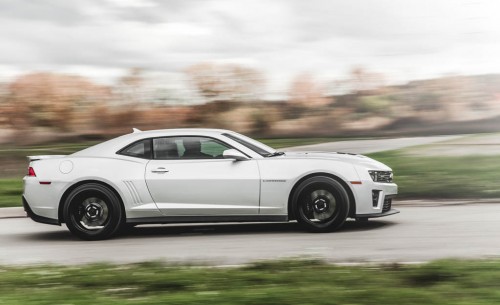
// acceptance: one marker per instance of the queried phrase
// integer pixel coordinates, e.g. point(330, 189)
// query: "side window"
point(213, 148)
point(188, 148)
point(166, 148)
point(141, 149)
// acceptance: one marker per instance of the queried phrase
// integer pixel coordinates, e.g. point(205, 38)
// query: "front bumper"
point(36, 217)
point(386, 209)
point(375, 215)
point(374, 199)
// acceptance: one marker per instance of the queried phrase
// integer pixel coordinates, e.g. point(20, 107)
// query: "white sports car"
point(202, 175)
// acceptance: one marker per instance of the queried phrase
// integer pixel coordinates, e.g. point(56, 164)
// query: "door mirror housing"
point(234, 154)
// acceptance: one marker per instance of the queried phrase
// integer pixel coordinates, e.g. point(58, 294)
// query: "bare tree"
point(129, 88)
point(52, 100)
point(305, 91)
point(226, 82)
point(360, 81)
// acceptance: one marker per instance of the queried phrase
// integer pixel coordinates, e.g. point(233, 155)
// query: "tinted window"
point(141, 149)
point(188, 148)
point(166, 148)
point(213, 148)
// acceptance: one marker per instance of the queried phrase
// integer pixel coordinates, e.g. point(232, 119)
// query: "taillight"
point(31, 172)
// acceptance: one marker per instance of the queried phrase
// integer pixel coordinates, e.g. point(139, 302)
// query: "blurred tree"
point(52, 100)
point(361, 81)
point(133, 78)
point(366, 81)
point(4, 118)
point(375, 104)
point(261, 122)
point(304, 91)
point(426, 100)
point(434, 99)
point(129, 89)
point(226, 82)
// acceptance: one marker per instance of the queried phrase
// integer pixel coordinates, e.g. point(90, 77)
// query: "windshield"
point(252, 144)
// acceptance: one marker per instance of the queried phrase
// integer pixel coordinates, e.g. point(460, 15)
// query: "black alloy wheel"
point(93, 212)
point(321, 204)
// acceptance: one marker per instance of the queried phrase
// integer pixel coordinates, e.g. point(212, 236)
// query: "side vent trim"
point(133, 192)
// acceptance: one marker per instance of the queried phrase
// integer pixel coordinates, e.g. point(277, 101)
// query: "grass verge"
point(274, 282)
point(443, 177)
point(10, 192)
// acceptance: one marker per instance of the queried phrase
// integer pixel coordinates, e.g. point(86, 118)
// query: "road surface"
point(418, 233)
point(370, 146)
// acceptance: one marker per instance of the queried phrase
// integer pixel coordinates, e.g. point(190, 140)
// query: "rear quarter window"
point(139, 149)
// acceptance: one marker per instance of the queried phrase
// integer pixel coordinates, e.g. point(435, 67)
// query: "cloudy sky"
point(404, 39)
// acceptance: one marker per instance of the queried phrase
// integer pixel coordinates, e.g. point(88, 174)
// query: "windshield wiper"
point(276, 153)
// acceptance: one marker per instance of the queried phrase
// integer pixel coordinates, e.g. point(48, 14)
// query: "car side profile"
point(202, 175)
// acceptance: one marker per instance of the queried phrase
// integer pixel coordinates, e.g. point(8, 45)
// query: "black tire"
point(321, 204)
point(93, 212)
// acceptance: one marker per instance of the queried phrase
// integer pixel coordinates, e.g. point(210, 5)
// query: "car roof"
point(176, 131)
point(110, 147)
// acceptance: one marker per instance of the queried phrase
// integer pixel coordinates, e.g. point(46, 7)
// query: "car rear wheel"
point(321, 204)
point(93, 212)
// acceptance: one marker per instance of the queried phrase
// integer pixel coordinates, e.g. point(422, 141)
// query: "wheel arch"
point(352, 200)
point(79, 183)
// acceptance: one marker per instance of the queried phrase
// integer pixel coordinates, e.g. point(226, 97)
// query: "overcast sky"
point(404, 39)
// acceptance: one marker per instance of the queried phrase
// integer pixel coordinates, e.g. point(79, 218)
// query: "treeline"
point(234, 97)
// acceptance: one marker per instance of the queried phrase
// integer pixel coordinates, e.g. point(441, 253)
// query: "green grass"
point(285, 282)
point(444, 177)
point(49, 149)
point(13, 162)
point(10, 192)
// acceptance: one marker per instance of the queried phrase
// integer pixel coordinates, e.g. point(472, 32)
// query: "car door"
point(189, 177)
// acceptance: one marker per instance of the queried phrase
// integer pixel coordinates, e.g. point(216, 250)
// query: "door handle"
point(159, 170)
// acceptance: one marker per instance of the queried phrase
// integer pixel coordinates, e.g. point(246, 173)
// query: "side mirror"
point(234, 154)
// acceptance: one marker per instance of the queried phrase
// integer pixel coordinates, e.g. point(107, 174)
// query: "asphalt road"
point(370, 146)
point(419, 233)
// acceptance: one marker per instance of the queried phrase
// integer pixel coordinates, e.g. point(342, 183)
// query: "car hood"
point(354, 159)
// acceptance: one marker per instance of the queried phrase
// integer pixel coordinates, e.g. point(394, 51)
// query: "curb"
point(444, 202)
point(15, 212)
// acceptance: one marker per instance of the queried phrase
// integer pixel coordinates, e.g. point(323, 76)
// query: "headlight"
point(381, 176)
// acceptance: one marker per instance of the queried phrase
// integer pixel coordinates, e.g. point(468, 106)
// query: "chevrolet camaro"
point(202, 175)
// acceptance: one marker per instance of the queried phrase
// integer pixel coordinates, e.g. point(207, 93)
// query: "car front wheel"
point(321, 204)
point(93, 212)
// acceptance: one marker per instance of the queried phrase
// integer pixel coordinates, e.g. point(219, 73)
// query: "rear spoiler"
point(35, 158)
